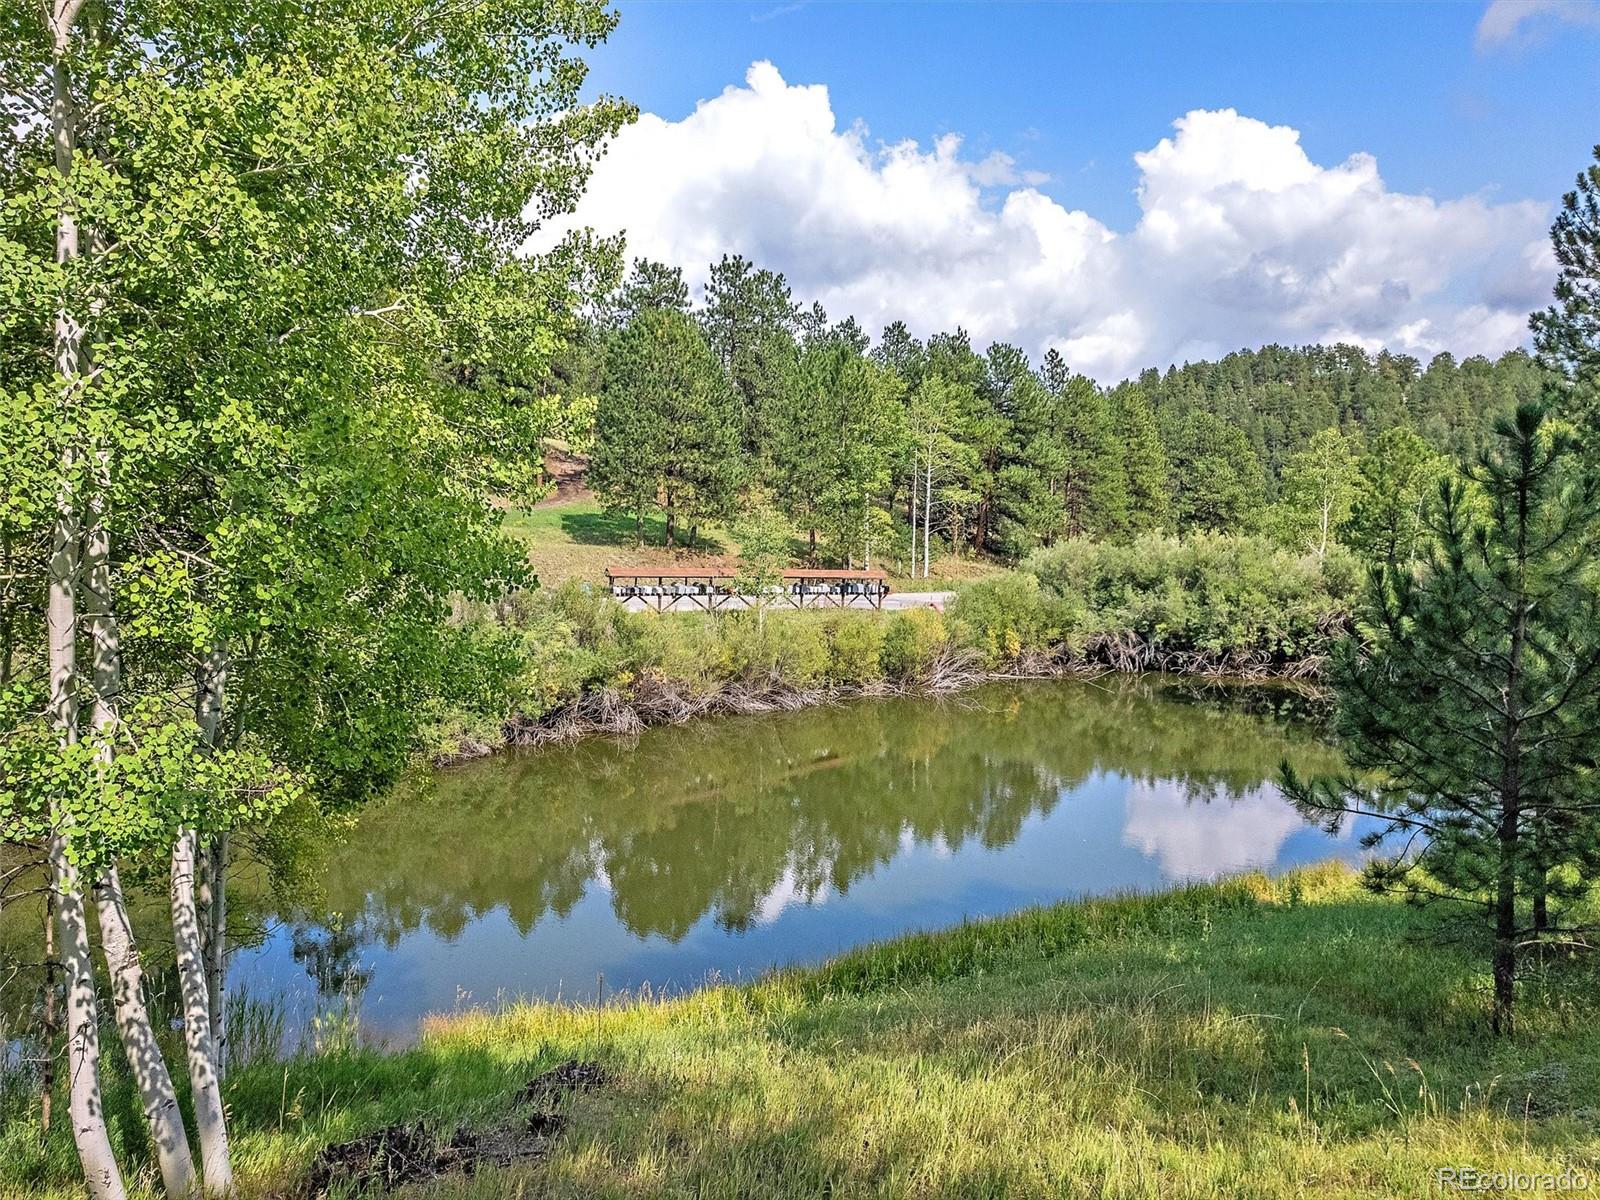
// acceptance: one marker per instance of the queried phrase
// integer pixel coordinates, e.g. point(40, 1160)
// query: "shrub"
point(688, 649)
point(1004, 615)
point(912, 640)
point(1218, 595)
point(855, 643)
point(573, 640)
point(788, 647)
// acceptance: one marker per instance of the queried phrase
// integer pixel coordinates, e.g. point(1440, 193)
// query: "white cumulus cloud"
point(1242, 238)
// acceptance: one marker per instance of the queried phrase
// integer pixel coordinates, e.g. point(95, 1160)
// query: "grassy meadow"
point(1254, 1038)
point(571, 537)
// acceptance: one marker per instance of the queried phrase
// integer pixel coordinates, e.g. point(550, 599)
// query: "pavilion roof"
point(732, 573)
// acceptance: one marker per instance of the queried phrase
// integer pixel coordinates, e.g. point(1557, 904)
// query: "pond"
point(725, 848)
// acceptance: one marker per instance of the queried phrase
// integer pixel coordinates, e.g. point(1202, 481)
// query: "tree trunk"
point(215, 944)
point(1541, 903)
point(84, 1103)
point(1505, 936)
point(204, 1081)
point(52, 1017)
point(913, 517)
point(145, 1060)
point(117, 943)
point(1509, 831)
point(927, 516)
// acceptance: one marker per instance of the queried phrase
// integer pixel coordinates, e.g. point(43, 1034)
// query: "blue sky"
point(1074, 89)
point(1456, 104)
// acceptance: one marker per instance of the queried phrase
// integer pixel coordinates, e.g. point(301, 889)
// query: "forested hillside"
point(903, 449)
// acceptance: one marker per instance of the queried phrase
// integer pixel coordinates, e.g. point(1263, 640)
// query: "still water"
point(725, 848)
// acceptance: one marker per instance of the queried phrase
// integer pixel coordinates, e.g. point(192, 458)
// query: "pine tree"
point(1475, 700)
point(1396, 479)
point(750, 320)
point(1093, 487)
point(1216, 478)
point(835, 436)
point(1144, 460)
point(649, 285)
point(1567, 333)
point(667, 427)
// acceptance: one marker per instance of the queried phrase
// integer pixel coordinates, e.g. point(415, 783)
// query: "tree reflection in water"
point(735, 818)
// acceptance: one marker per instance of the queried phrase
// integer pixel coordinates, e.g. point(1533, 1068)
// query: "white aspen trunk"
point(205, 1084)
point(913, 515)
point(85, 1105)
point(216, 945)
point(145, 1060)
point(117, 944)
point(927, 515)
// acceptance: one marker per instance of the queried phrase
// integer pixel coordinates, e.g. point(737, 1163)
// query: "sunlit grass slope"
point(577, 539)
point(1253, 1038)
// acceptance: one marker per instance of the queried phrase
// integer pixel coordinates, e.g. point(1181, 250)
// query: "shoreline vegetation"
point(1253, 1036)
point(570, 662)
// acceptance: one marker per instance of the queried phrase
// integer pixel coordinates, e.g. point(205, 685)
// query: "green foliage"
point(1217, 480)
point(793, 651)
point(311, 329)
point(1397, 479)
point(835, 431)
point(855, 649)
point(1143, 459)
point(750, 320)
point(764, 535)
point(1226, 600)
point(650, 285)
point(668, 425)
point(1005, 615)
point(1476, 694)
point(1316, 493)
point(1567, 333)
point(913, 640)
point(1279, 396)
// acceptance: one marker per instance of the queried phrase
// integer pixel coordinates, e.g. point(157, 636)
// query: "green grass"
point(577, 539)
point(1255, 1038)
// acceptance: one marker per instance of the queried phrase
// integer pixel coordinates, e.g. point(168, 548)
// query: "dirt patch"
point(383, 1159)
point(569, 1077)
point(415, 1152)
point(568, 473)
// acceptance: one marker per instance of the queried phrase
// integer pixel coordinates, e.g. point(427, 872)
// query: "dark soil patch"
point(388, 1158)
point(573, 1076)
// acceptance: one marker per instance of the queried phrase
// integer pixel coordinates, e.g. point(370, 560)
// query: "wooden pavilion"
point(712, 590)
